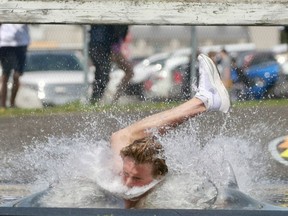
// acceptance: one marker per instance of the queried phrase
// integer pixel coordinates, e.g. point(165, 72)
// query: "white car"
point(171, 82)
point(52, 77)
point(149, 66)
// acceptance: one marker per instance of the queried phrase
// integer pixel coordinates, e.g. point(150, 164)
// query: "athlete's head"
point(143, 161)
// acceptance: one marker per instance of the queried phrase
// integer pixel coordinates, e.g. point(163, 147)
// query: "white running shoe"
point(211, 89)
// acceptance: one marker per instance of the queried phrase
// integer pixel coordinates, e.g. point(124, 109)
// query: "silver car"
point(171, 82)
point(52, 77)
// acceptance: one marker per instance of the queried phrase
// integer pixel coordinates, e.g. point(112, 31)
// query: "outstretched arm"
point(162, 122)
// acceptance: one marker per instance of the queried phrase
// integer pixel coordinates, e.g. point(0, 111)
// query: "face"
point(136, 174)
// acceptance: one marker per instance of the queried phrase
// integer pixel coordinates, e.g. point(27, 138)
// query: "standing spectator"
point(100, 53)
point(120, 32)
point(105, 46)
point(14, 40)
point(226, 68)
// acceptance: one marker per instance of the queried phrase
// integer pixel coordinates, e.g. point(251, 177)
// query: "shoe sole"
point(217, 83)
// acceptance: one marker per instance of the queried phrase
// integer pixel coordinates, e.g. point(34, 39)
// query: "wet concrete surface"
point(16, 132)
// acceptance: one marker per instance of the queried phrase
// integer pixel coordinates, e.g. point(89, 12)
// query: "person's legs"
point(101, 59)
point(20, 53)
point(7, 62)
point(4, 80)
point(15, 88)
point(126, 66)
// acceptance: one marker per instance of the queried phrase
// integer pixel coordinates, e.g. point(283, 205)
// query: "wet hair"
point(147, 150)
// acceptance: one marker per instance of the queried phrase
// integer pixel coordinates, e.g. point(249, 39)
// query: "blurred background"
point(164, 65)
point(147, 40)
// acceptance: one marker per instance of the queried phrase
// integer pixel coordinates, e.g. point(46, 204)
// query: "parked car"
point(142, 71)
point(52, 77)
point(257, 74)
point(171, 82)
point(280, 89)
point(147, 73)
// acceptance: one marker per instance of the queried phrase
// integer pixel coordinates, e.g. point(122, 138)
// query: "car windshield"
point(52, 62)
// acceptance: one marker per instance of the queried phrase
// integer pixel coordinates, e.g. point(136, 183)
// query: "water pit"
point(70, 153)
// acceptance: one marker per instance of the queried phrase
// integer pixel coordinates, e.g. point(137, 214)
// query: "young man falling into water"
point(142, 157)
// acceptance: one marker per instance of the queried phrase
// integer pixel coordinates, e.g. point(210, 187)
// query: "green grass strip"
point(131, 107)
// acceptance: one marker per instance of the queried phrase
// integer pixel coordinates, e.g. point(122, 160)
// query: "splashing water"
point(80, 169)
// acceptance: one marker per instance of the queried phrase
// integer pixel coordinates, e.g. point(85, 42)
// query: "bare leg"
point(4, 90)
point(15, 88)
point(126, 66)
